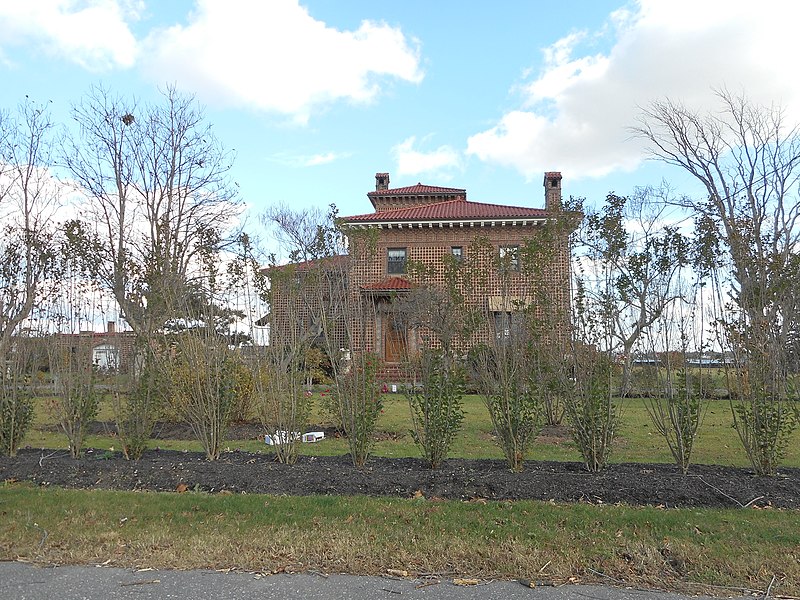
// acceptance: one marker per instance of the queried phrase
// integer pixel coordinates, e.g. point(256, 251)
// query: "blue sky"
point(317, 96)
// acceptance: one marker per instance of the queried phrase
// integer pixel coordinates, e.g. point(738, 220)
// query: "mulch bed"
point(457, 479)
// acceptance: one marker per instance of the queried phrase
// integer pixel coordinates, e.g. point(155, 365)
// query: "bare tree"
point(307, 234)
point(159, 199)
point(28, 199)
point(308, 294)
point(748, 160)
point(158, 188)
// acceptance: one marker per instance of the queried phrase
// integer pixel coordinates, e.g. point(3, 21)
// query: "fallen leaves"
point(466, 582)
point(397, 572)
point(530, 583)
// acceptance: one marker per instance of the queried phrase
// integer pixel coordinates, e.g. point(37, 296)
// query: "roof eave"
point(409, 192)
point(450, 223)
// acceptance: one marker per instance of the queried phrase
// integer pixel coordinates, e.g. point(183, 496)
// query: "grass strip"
point(538, 541)
point(637, 441)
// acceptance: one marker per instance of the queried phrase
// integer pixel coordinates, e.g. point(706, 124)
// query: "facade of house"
point(433, 237)
point(106, 352)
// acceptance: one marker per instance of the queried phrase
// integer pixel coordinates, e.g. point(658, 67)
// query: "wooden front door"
point(394, 340)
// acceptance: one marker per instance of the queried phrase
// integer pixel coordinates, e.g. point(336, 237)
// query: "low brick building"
point(429, 236)
point(109, 351)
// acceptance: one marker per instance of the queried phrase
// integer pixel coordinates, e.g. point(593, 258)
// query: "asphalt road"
point(21, 581)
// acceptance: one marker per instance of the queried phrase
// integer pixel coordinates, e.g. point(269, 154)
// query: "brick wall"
point(78, 348)
point(544, 279)
point(302, 298)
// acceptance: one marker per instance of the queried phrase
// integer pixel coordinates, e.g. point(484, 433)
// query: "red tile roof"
point(391, 283)
point(419, 190)
point(458, 209)
point(306, 265)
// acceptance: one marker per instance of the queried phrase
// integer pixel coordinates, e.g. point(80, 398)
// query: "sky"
point(316, 96)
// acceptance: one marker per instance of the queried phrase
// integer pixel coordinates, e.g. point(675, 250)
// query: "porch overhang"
point(388, 287)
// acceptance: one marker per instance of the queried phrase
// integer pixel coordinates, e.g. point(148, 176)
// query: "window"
point(105, 357)
point(509, 258)
point(457, 252)
point(507, 325)
point(396, 261)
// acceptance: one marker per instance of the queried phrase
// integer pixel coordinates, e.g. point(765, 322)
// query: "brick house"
point(415, 230)
point(107, 351)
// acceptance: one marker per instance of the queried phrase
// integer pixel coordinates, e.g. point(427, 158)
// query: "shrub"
point(765, 426)
point(676, 411)
point(75, 406)
point(590, 411)
point(553, 409)
point(765, 421)
point(137, 409)
point(208, 380)
point(16, 415)
point(282, 404)
point(358, 396)
point(511, 398)
point(764, 407)
point(436, 407)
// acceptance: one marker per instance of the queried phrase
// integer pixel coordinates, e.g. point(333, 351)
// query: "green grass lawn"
point(637, 441)
point(645, 546)
point(524, 539)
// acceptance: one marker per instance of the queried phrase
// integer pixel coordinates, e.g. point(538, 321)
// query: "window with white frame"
point(396, 261)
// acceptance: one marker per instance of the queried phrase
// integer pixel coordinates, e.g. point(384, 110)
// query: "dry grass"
point(531, 540)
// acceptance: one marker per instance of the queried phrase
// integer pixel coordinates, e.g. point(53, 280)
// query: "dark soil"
point(634, 484)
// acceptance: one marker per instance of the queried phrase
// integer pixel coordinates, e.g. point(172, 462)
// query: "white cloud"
point(576, 113)
point(416, 162)
point(312, 160)
point(275, 56)
point(321, 159)
point(92, 33)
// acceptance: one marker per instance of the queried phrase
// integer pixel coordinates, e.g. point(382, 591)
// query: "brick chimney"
point(552, 191)
point(381, 181)
point(111, 327)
